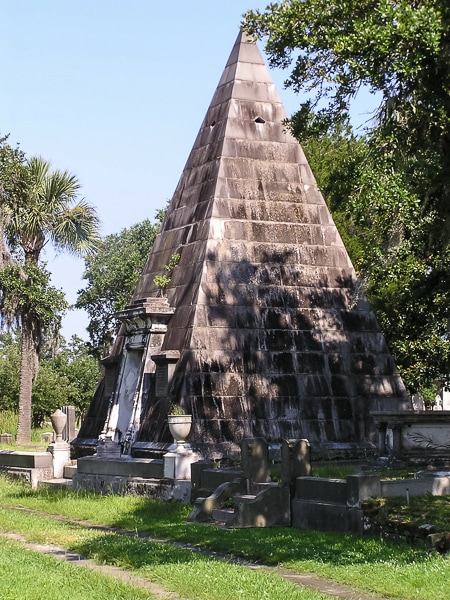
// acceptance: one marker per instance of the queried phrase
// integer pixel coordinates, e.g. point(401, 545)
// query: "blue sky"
point(115, 92)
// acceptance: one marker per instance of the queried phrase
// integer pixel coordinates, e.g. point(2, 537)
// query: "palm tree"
point(48, 213)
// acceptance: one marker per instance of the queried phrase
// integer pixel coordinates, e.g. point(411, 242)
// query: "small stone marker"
point(255, 460)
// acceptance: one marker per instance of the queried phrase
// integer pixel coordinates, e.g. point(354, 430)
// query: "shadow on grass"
point(268, 546)
point(167, 520)
point(133, 552)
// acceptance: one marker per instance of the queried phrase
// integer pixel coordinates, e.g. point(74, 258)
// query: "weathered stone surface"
point(274, 338)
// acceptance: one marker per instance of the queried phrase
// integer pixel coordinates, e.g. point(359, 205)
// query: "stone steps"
point(69, 471)
point(62, 483)
point(223, 515)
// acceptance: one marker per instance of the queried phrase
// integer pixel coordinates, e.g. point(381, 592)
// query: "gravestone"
point(69, 431)
point(295, 460)
point(255, 460)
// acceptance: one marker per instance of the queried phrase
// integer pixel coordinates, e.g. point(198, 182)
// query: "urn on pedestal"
point(179, 425)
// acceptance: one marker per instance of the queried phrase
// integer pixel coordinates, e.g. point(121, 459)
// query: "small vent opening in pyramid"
point(258, 332)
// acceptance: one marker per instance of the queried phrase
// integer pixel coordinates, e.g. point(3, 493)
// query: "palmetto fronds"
point(47, 210)
point(50, 212)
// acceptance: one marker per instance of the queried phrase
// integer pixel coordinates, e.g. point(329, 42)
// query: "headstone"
point(417, 402)
point(68, 433)
point(255, 460)
point(107, 448)
point(295, 460)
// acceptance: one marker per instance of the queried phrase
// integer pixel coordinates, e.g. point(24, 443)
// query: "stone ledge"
point(32, 476)
point(28, 460)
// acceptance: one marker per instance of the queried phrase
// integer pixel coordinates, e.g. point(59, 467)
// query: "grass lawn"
point(381, 566)
point(31, 576)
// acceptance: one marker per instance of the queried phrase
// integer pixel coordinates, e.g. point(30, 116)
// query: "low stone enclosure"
point(33, 467)
point(55, 463)
point(247, 497)
point(109, 471)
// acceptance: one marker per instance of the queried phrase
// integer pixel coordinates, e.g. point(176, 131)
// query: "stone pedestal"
point(361, 486)
point(61, 457)
point(177, 465)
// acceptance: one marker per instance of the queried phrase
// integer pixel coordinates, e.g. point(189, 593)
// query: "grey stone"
point(274, 339)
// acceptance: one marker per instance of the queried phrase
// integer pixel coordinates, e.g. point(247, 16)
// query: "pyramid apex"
point(245, 50)
point(244, 38)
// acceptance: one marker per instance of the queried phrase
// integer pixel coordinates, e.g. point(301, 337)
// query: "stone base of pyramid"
point(232, 451)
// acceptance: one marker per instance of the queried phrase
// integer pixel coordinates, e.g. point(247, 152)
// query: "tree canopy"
point(67, 375)
point(400, 49)
point(12, 183)
point(112, 275)
point(388, 186)
point(40, 206)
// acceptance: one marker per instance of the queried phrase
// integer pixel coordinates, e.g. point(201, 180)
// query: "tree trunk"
point(26, 384)
point(5, 254)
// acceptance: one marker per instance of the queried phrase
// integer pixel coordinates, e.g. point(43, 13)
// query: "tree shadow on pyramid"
point(268, 335)
point(277, 352)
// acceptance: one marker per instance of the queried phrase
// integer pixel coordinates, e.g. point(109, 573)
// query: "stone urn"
point(59, 420)
point(179, 427)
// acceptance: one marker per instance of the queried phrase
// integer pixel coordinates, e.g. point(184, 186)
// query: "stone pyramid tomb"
point(261, 330)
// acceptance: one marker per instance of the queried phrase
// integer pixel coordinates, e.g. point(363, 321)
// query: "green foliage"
point(334, 48)
point(49, 211)
point(176, 410)
point(420, 510)
point(162, 281)
point(82, 372)
point(410, 297)
point(25, 293)
point(9, 372)
point(112, 275)
point(42, 207)
point(67, 375)
point(336, 159)
point(50, 391)
point(388, 190)
point(8, 422)
point(12, 180)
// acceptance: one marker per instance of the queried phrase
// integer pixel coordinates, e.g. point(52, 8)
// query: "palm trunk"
point(26, 384)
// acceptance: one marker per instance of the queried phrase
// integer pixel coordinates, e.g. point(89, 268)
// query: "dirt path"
point(79, 561)
point(309, 580)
